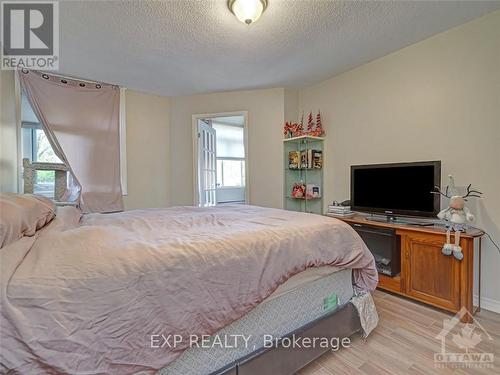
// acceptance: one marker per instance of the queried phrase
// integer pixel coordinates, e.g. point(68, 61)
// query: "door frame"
point(194, 135)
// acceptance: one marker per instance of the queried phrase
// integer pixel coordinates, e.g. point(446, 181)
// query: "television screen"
point(403, 188)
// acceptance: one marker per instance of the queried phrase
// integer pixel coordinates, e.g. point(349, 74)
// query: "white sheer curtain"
point(81, 121)
point(230, 141)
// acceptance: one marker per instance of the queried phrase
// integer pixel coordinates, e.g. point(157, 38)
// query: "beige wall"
point(265, 116)
point(148, 150)
point(435, 100)
point(8, 133)
point(291, 107)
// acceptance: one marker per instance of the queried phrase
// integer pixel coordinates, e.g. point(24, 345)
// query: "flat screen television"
point(396, 189)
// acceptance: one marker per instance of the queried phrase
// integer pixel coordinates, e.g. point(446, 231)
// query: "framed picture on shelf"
point(294, 160)
point(298, 191)
point(317, 159)
point(313, 191)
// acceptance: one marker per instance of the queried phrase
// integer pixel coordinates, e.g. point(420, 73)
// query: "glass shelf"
point(304, 138)
point(304, 199)
point(303, 150)
point(304, 169)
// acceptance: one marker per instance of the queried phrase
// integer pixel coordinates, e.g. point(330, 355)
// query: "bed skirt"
point(298, 312)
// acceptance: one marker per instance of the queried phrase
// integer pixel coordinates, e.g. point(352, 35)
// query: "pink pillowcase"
point(22, 215)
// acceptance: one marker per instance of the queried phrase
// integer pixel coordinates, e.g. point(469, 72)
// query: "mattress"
point(307, 276)
point(294, 304)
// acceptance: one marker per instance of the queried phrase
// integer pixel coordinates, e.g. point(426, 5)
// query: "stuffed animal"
point(456, 216)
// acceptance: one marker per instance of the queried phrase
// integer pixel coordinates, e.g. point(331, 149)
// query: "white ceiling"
point(197, 46)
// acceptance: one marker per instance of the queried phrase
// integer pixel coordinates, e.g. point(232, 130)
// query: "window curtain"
point(230, 141)
point(81, 121)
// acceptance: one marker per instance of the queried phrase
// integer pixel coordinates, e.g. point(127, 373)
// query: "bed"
point(296, 308)
point(95, 293)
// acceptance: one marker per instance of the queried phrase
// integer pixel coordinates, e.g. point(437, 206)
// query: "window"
point(230, 155)
point(230, 173)
point(36, 147)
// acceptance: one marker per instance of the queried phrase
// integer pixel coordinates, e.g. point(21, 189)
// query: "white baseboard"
point(488, 304)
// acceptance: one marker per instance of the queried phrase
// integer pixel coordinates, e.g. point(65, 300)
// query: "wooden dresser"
point(427, 275)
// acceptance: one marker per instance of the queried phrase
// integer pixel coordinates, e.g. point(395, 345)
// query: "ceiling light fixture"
point(247, 11)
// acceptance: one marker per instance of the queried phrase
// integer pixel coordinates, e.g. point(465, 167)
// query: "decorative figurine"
point(296, 131)
point(300, 129)
point(287, 130)
point(456, 216)
point(291, 130)
point(298, 190)
point(310, 123)
point(319, 131)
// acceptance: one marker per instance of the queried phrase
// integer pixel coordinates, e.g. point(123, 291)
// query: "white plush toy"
point(456, 216)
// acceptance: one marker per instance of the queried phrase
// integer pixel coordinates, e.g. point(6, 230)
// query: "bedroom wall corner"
point(438, 99)
point(148, 150)
point(265, 156)
point(291, 106)
point(8, 133)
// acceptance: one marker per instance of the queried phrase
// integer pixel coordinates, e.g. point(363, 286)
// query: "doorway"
point(220, 159)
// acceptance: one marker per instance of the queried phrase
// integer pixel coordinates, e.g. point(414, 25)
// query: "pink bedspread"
point(85, 297)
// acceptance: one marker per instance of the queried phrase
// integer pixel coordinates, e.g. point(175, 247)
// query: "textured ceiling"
point(197, 46)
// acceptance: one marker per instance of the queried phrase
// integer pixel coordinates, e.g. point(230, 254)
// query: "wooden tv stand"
point(427, 275)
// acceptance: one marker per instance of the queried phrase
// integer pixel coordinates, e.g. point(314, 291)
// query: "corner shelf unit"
point(307, 175)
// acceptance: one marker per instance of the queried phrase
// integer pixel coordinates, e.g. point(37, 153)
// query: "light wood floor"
point(404, 343)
